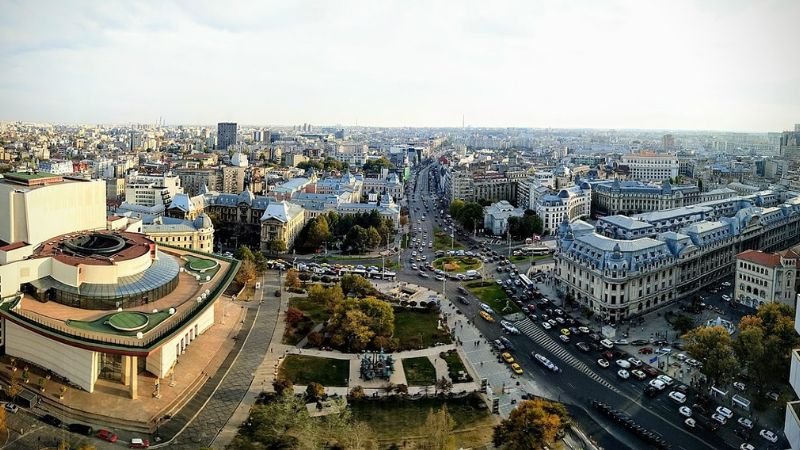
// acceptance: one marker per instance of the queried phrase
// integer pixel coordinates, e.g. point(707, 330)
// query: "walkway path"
point(198, 423)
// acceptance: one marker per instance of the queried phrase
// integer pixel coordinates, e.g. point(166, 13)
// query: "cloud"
point(683, 64)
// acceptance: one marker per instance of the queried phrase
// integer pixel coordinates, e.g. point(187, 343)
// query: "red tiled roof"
point(12, 246)
point(760, 258)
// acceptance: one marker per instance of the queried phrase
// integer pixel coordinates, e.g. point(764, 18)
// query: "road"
point(582, 379)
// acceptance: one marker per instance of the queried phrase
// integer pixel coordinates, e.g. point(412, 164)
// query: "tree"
point(358, 321)
point(765, 341)
point(374, 238)
point(532, 424)
point(315, 339)
point(714, 348)
point(243, 253)
point(3, 424)
point(293, 278)
point(14, 387)
point(455, 208)
point(294, 316)
point(403, 220)
point(683, 324)
point(357, 240)
point(700, 185)
point(357, 393)
point(330, 297)
point(276, 246)
point(401, 389)
point(247, 272)
point(438, 430)
point(283, 386)
point(318, 232)
point(358, 285)
point(86, 446)
point(261, 262)
point(376, 165)
point(443, 385)
point(750, 346)
point(471, 216)
point(315, 391)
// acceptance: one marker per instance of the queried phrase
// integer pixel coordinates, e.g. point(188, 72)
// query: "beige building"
point(197, 234)
point(35, 207)
point(650, 166)
point(766, 278)
point(233, 179)
point(281, 221)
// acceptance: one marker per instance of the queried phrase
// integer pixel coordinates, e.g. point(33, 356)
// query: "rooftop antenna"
point(462, 121)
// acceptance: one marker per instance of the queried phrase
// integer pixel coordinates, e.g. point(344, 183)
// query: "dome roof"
point(203, 221)
point(246, 196)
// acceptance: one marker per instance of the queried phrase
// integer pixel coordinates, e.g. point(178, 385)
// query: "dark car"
point(650, 370)
point(80, 428)
point(651, 391)
point(463, 299)
point(462, 290)
point(583, 346)
point(51, 420)
point(506, 343)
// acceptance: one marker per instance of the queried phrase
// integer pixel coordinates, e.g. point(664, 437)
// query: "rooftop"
point(760, 258)
point(32, 179)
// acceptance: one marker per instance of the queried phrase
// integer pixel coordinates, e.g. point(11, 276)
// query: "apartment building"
point(633, 197)
point(568, 204)
point(791, 424)
point(765, 278)
point(648, 166)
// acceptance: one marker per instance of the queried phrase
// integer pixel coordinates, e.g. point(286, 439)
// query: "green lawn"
point(518, 259)
point(313, 310)
point(462, 263)
point(493, 295)
point(401, 420)
point(418, 329)
point(442, 241)
point(101, 326)
point(455, 365)
point(419, 371)
point(303, 370)
point(201, 266)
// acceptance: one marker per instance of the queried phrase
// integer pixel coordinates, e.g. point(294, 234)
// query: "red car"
point(139, 443)
point(106, 435)
point(645, 351)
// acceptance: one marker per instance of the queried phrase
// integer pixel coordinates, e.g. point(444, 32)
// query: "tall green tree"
point(318, 232)
point(533, 424)
point(374, 238)
point(455, 208)
point(713, 347)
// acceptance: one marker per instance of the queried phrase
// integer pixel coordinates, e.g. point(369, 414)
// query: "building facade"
point(634, 197)
point(496, 215)
point(791, 424)
point(765, 278)
point(226, 135)
point(648, 166)
point(568, 204)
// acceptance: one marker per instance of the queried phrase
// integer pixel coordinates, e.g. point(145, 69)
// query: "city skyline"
point(623, 65)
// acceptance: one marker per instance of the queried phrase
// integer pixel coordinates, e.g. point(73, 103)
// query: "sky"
point(696, 65)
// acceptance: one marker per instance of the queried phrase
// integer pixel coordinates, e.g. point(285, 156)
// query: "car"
point(486, 308)
point(506, 343)
point(639, 374)
point(621, 342)
point(509, 327)
point(602, 363)
point(645, 351)
point(639, 342)
point(516, 368)
point(768, 435)
point(650, 370)
point(139, 443)
point(772, 396)
point(664, 350)
point(635, 361)
point(720, 418)
point(746, 446)
point(678, 396)
point(651, 392)
point(106, 435)
point(583, 346)
point(624, 374)
point(560, 320)
point(739, 385)
point(726, 297)
point(689, 422)
point(685, 411)
point(552, 322)
point(439, 278)
point(607, 344)
point(423, 275)
point(623, 364)
point(546, 325)
point(658, 384)
point(565, 332)
point(745, 422)
point(725, 412)
point(51, 420)
point(583, 330)
point(665, 379)
point(546, 362)
point(10, 407)
point(80, 428)
point(507, 357)
point(486, 316)
point(564, 339)
point(463, 290)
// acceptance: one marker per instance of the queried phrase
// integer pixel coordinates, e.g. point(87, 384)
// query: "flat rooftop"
point(135, 246)
point(32, 179)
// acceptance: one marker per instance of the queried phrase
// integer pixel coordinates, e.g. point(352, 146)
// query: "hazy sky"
point(706, 64)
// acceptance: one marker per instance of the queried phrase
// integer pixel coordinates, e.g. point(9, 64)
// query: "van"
point(258, 285)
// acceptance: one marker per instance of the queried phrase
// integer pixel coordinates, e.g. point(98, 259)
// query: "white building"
point(791, 424)
point(570, 203)
point(765, 278)
point(496, 215)
point(56, 166)
point(651, 166)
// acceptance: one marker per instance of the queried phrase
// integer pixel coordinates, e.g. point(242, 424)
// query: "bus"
point(526, 281)
point(540, 250)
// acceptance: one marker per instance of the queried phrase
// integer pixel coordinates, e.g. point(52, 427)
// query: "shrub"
point(305, 277)
point(294, 316)
point(326, 279)
point(315, 339)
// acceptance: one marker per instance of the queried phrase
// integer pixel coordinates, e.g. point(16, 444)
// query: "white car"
point(685, 411)
point(725, 412)
point(635, 361)
point(622, 373)
point(739, 385)
point(745, 422)
point(658, 384)
point(487, 308)
point(768, 435)
point(726, 297)
point(719, 418)
point(746, 446)
point(602, 363)
point(564, 338)
point(665, 379)
point(679, 397)
point(624, 364)
point(439, 278)
point(508, 326)
point(607, 344)
point(681, 356)
point(690, 422)
point(546, 325)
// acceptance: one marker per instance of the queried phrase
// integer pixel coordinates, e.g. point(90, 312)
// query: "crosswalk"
point(548, 343)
